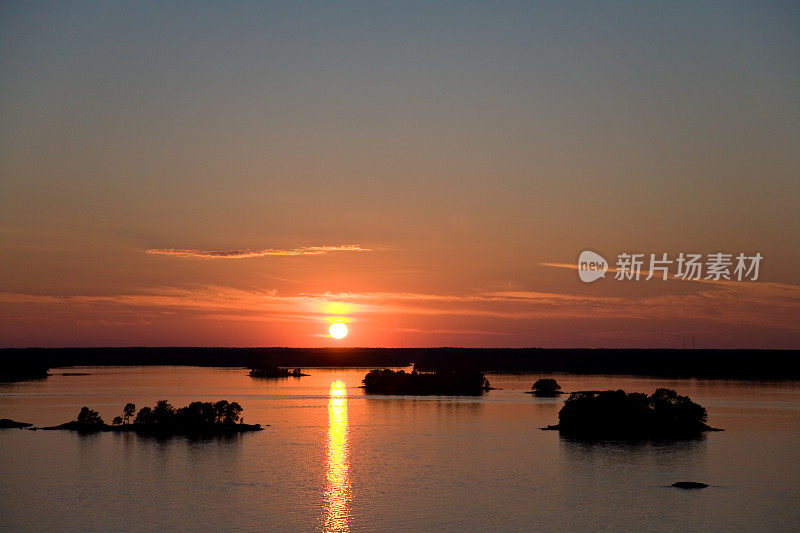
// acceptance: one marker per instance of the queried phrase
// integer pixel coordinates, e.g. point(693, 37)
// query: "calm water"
point(334, 459)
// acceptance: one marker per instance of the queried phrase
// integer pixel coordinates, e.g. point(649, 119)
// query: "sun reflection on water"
point(337, 473)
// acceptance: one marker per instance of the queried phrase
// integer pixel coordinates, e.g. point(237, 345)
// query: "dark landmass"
point(161, 430)
point(6, 423)
point(275, 372)
point(446, 383)
point(224, 357)
point(545, 388)
point(197, 418)
point(689, 485)
point(708, 364)
point(619, 415)
point(75, 374)
point(20, 367)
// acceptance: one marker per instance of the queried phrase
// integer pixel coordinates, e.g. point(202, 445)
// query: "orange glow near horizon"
point(337, 308)
point(337, 471)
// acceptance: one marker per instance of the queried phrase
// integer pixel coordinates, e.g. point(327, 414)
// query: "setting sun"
point(338, 330)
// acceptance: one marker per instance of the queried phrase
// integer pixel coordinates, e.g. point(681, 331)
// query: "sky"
point(247, 173)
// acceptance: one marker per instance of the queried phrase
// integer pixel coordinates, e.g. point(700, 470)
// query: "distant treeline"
point(226, 357)
point(733, 364)
point(725, 364)
point(16, 367)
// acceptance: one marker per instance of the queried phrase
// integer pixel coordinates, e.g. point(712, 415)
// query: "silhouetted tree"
point(144, 416)
point(271, 371)
point(220, 409)
point(127, 412)
point(163, 412)
point(232, 412)
point(163, 418)
point(198, 413)
point(87, 417)
point(615, 413)
point(443, 381)
point(670, 408)
point(546, 387)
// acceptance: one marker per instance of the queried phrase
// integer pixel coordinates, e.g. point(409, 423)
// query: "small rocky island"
point(545, 388)
point(7, 423)
point(275, 372)
point(689, 485)
point(441, 382)
point(615, 414)
point(205, 418)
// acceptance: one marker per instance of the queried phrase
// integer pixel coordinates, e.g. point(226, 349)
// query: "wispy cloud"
point(757, 304)
point(246, 253)
point(644, 274)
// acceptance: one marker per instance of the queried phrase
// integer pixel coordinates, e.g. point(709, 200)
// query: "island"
point(7, 423)
point(615, 414)
point(545, 388)
point(275, 372)
point(222, 417)
point(441, 382)
point(21, 369)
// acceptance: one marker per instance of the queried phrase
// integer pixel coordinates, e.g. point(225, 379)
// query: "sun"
point(338, 388)
point(338, 330)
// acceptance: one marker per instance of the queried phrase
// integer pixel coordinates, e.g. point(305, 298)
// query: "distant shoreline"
point(665, 363)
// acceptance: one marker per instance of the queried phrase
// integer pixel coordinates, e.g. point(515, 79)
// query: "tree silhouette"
point(546, 387)
point(87, 417)
point(443, 381)
point(145, 416)
point(127, 412)
point(616, 413)
point(163, 412)
point(198, 413)
point(220, 408)
point(232, 412)
point(164, 419)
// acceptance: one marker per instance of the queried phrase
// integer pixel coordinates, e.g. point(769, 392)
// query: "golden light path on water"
point(337, 473)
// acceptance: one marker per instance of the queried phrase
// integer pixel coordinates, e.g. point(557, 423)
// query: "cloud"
point(446, 331)
point(644, 273)
point(747, 304)
point(247, 253)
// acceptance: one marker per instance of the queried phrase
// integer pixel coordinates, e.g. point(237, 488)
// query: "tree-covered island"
point(196, 418)
point(442, 382)
point(615, 414)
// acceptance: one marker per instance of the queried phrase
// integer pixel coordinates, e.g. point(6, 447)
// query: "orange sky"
point(241, 177)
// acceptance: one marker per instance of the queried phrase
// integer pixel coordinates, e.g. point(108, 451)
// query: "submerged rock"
point(689, 485)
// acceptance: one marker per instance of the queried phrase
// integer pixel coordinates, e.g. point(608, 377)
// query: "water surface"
point(335, 459)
